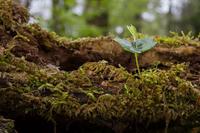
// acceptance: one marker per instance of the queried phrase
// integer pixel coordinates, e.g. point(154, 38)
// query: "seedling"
point(136, 46)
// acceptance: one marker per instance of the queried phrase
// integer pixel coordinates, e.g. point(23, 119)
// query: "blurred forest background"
point(79, 18)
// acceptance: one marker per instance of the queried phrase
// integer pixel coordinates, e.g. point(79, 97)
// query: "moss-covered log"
point(60, 83)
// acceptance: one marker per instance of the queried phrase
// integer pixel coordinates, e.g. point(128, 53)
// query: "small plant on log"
point(136, 46)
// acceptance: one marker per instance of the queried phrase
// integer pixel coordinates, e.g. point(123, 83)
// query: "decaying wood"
point(61, 82)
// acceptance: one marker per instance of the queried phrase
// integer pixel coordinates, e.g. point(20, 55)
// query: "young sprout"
point(136, 46)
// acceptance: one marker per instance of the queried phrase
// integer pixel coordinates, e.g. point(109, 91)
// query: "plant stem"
point(137, 64)
point(133, 31)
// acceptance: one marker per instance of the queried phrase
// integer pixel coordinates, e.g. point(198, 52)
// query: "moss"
point(149, 98)
point(45, 37)
point(6, 125)
point(12, 14)
point(6, 12)
point(156, 89)
point(177, 40)
point(98, 92)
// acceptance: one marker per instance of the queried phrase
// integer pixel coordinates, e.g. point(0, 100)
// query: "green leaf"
point(138, 46)
point(143, 45)
point(126, 45)
point(132, 30)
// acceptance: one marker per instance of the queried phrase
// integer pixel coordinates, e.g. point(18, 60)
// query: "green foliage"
point(143, 45)
point(190, 17)
point(97, 18)
point(126, 12)
point(133, 31)
point(137, 46)
point(100, 17)
point(126, 45)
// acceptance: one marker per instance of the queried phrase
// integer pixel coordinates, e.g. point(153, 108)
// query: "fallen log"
point(51, 84)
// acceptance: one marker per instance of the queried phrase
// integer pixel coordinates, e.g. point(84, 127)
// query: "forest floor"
point(54, 84)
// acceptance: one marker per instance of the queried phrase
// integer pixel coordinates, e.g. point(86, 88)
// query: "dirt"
point(53, 84)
